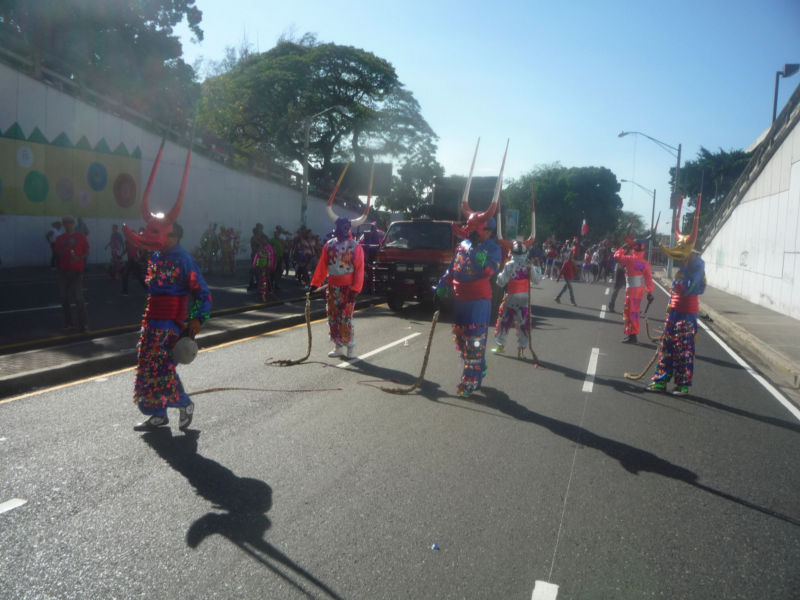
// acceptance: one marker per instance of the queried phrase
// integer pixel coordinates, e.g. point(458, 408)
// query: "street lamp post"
point(307, 133)
point(652, 215)
point(673, 201)
point(788, 71)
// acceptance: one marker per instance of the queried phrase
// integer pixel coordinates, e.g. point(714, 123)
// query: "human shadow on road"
point(696, 400)
point(243, 502)
point(632, 459)
point(391, 378)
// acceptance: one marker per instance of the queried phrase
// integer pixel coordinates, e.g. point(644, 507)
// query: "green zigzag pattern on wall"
point(62, 140)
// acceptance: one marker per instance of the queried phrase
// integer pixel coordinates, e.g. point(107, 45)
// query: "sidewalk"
point(767, 340)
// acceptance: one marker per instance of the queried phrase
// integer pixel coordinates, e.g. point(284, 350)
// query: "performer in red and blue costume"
point(638, 280)
point(178, 303)
point(676, 353)
point(468, 278)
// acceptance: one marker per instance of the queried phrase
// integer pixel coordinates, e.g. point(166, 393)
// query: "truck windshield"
point(418, 235)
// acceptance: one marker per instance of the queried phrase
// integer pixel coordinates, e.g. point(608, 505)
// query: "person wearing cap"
point(476, 259)
point(72, 249)
point(638, 280)
point(676, 351)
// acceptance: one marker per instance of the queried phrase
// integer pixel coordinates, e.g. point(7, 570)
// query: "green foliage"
point(564, 197)
point(266, 102)
point(123, 49)
point(713, 175)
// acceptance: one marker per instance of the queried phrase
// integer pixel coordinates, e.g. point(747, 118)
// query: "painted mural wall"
point(756, 254)
point(59, 155)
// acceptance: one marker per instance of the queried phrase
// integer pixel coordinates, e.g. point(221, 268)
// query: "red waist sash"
point(340, 280)
point(166, 307)
point(685, 304)
point(516, 286)
point(480, 289)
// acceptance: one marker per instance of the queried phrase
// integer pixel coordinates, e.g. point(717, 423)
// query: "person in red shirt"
point(638, 280)
point(568, 273)
point(72, 249)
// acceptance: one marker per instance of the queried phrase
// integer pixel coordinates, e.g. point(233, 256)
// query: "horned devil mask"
point(478, 221)
point(343, 224)
point(684, 244)
point(157, 225)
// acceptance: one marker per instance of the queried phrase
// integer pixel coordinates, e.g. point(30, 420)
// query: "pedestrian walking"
point(619, 283)
point(567, 271)
point(263, 265)
point(50, 236)
point(72, 249)
point(117, 245)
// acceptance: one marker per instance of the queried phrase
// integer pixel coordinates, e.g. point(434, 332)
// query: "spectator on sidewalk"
point(136, 264)
point(50, 236)
point(278, 248)
point(72, 249)
point(117, 245)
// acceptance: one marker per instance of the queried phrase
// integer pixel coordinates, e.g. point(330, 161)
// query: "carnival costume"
point(468, 278)
point(638, 279)
point(342, 264)
point(263, 266)
point(172, 277)
point(676, 353)
point(514, 310)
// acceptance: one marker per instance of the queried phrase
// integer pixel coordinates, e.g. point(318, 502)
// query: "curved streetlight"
point(673, 201)
point(788, 71)
point(652, 214)
point(307, 130)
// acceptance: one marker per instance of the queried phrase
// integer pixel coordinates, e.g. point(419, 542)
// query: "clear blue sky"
point(560, 79)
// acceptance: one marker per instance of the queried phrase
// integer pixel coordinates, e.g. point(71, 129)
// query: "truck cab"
point(411, 258)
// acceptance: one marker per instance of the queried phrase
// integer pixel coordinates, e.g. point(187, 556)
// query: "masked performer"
point(676, 354)
point(476, 260)
point(514, 310)
point(178, 303)
point(342, 264)
point(638, 279)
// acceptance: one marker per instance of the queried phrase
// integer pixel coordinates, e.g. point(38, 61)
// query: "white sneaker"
point(351, 351)
point(337, 351)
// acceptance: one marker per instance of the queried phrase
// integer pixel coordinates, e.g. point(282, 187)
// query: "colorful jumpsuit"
point(676, 355)
point(637, 279)
point(514, 309)
point(342, 263)
point(263, 266)
point(469, 277)
point(173, 278)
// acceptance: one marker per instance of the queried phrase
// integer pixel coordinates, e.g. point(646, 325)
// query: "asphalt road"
point(310, 482)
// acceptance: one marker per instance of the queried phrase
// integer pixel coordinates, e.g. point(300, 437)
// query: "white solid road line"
point(11, 504)
point(603, 311)
point(588, 384)
point(373, 352)
point(544, 590)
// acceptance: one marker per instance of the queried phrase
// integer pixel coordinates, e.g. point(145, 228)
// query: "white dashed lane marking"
point(11, 504)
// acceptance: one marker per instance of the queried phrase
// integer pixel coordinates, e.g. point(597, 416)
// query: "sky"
point(560, 80)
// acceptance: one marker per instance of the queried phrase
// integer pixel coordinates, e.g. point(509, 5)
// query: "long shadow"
point(632, 459)
point(242, 500)
point(391, 377)
point(791, 426)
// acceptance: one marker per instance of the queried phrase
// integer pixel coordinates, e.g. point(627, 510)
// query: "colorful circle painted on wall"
point(65, 190)
point(97, 176)
point(125, 190)
point(36, 186)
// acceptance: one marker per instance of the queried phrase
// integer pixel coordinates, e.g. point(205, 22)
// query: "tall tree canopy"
point(713, 175)
point(123, 49)
point(564, 197)
point(268, 101)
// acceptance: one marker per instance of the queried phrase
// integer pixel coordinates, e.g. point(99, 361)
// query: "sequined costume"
point(177, 293)
point(676, 355)
point(469, 278)
point(514, 310)
point(638, 280)
point(342, 264)
point(263, 266)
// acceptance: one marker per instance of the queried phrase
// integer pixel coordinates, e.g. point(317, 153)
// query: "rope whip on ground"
point(421, 378)
point(530, 321)
point(660, 341)
point(289, 363)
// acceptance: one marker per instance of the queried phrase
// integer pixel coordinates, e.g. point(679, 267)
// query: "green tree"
point(412, 185)
point(265, 102)
point(713, 175)
point(123, 49)
point(564, 197)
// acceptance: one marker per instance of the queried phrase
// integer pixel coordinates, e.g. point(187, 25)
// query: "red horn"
point(676, 225)
point(172, 216)
point(146, 197)
point(693, 235)
point(332, 214)
point(489, 212)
